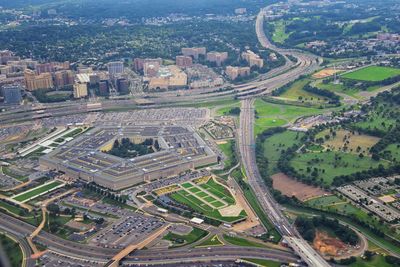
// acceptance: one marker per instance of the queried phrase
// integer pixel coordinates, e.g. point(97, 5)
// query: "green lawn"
point(332, 164)
point(12, 250)
point(219, 191)
point(38, 190)
point(279, 35)
point(264, 263)
point(7, 171)
point(381, 121)
point(296, 93)
point(181, 240)
point(211, 241)
point(392, 152)
point(274, 145)
point(274, 115)
point(372, 74)
point(376, 261)
point(324, 201)
point(205, 205)
point(339, 88)
point(238, 241)
point(228, 149)
point(252, 200)
point(224, 110)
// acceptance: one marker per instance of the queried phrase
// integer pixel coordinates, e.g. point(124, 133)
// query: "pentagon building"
point(181, 149)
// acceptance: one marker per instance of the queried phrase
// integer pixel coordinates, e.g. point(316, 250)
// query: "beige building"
point(80, 90)
point(194, 52)
point(34, 82)
point(217, 57)
point(235, 72)
point(184, 61)
point(64, 78)
point(168, 77)
point(253, 59)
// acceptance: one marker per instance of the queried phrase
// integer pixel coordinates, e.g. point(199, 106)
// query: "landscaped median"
point(38, 191)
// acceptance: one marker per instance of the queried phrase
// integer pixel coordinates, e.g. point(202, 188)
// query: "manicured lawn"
point(264, 263)
point(238, 241)
point(181, 240)
point(279, 35)
point(228, 149)
point(7, 171)
point(372, 73)
point(376, 261)
point(274, 145)
point(296, 93)
point(340, 88)
point(207, 205)
point(38, 190)
point(212, 241)
point(332, 164)
point(187, 185)
point(219, 191)
point(194, 189)
point(274, 115)
point(12, 250)
point(379, 120)
point(324, 201)
point(224, 110)
point(393, 152)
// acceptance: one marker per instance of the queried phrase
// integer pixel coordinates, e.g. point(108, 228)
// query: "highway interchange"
point(290, 71)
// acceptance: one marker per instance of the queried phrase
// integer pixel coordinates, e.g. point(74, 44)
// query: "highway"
point(80, 251)
point(248, 157)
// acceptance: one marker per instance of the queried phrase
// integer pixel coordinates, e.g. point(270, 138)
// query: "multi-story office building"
point(253, 59)
point(194, 52)
point(184, 61)
point(12, 94)
point(104, 88)
point(34, 81)
point(115, 68)
point(80, 90)
point(122, 86)
point(234, 72)
point(64, 78)
point(217, 57)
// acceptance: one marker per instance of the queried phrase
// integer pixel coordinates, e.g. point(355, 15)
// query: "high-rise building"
point(217, 57)
point(253, 59)
point(80, 90)
point(122, 86)
point(34, 82)
point(184, 61)
point(94, 79)
point(12, 94)
point(115, 68)
point(151, 68)
point(64, 78)
point(194, 52)
point(140, 64)
point(103, 88)
point(234, 72)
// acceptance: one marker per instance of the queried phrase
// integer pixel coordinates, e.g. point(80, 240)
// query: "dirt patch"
point(325, 73)
point(231, 211)
point(328, 245)
point(290, 187)
point(387, 199)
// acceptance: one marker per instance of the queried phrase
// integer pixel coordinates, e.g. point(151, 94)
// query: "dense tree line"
point(333, 98)
point(307, 228)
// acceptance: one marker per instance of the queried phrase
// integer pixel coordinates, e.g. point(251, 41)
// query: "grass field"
point(238, 241)
point(264, 263)
point(392, 152)
point(372, 74)
point(228, 149)
point(376, 261)
point(208, 200)
point(37, 191)
point(378, 121)
point(273, 115)
point(296, 93)
point(212, 241)
point(279, 35)
point(274, 145)
point(224, 109)
point(182, 240)
point(7, 171)
point(332, 164)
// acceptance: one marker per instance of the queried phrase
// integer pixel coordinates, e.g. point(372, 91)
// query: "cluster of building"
point(251, 58)
point(17, 74)
point(371, 203)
